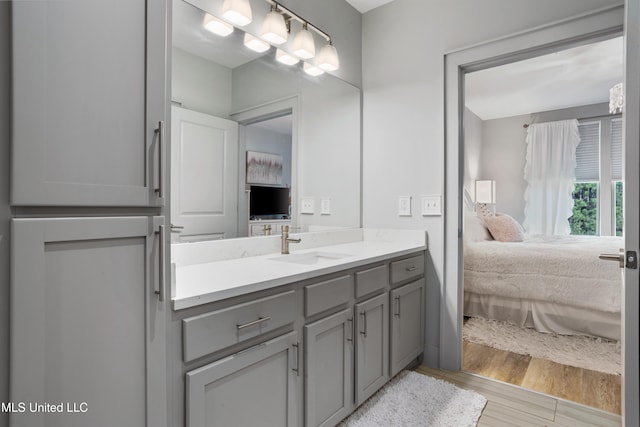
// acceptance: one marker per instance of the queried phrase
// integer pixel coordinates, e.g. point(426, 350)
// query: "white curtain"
point(550, 172)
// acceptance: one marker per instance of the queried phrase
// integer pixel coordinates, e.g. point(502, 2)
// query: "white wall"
point(403, 49)
point(5, 213)
point(200, 85)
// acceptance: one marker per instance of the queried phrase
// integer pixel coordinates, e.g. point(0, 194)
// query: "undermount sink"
point(310, 257)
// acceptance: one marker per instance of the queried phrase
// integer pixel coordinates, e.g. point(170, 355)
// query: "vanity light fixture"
point(312, 70)
point(274, 27)
point(217, 26)
point(256, 44)
point(303, 45)
point(237, 12)
point(328, 57)
point(286, 58)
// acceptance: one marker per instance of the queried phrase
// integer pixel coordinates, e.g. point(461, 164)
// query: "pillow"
point(504, 228)
point(474, 228)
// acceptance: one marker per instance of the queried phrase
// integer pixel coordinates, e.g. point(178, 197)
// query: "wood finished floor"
point(509, 405)
point(592, 388)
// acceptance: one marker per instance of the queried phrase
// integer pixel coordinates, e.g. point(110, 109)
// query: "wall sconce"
point(217, 26)
point(274, 27)
point(485, 195)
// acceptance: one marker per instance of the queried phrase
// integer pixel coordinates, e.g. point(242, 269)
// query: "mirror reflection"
point(256, 144)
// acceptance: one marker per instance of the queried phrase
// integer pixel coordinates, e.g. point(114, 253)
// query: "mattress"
point(554, 283)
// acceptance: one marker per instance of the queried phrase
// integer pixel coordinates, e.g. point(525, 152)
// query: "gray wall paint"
point(200, 85)
point(5, 213)
point(404, 43)
point(503, 159)
point(473, 127)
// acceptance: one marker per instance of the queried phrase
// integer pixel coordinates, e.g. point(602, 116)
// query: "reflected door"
point(204, 176)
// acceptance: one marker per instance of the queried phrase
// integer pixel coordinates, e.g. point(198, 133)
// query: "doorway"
point(530, 319)
point(577, 31)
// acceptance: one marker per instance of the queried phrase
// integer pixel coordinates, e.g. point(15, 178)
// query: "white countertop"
point(220, 277)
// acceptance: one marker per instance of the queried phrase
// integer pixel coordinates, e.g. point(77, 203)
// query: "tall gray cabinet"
point(88, 324)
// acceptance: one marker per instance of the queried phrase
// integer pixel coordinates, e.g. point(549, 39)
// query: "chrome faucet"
point(286, 240)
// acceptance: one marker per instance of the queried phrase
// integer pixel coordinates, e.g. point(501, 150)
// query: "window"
point(598, 191)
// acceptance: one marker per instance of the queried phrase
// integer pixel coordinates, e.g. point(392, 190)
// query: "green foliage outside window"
point(619, 193)
point(584, 220)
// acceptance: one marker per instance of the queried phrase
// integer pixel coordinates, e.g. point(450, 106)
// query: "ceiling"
point(366, 5)
point(569, 78)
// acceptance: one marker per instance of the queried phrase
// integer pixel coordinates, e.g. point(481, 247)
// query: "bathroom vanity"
point(300, 339)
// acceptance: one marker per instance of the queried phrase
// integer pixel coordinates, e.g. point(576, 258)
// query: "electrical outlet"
point(325, 206)
point(431, 205)
point(404, 206)
point(307, 205)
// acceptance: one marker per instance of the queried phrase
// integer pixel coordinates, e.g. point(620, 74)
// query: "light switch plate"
point(307, 205)
point(431, 205)
point(404, 206)
point(325, 206)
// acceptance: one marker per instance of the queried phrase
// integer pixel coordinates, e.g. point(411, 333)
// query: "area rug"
point(583, 352)
point(412, 399)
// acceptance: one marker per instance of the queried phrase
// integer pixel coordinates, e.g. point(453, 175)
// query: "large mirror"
point(256, 144)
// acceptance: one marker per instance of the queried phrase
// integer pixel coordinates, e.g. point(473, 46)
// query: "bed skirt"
point(544, 316)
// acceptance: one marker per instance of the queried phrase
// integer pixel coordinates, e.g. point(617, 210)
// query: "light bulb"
point(255, 44)
point(237, 12)
point(328, 58)
point(285, 57)
point(274, 29)
point(303, 45)
point(217, 26)
point(312, 70)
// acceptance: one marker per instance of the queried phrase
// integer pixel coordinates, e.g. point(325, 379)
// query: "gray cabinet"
point(407, 324)
point(87, 327)
point(372, 346)
point(88, 96)
point(254, 387)
point(329, 369)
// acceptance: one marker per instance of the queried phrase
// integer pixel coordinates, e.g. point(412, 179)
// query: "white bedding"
point(559, 269)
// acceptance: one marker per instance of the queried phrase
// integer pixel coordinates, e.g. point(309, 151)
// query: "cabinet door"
point(329, 366)
point(87, 328)
point(204, 176)
point(256, 387)
point(88, 96)
point(407, 324)
point(372, 346)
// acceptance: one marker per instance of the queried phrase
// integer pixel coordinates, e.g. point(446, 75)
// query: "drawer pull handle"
point(350, 329)
point(397, 313)
point(255, 322)
point(297, 356)
point(411, 268)
point(363, 332)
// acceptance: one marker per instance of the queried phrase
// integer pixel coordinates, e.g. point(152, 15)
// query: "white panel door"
point(88, 96)
point(204, 176)
point(87, 328)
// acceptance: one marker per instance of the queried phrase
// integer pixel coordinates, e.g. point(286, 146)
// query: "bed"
point(551, 283)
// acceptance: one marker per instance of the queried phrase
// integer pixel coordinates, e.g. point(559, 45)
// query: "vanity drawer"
point(325, 295)
point(371, 280)
point(214, 331)
point(407, 269)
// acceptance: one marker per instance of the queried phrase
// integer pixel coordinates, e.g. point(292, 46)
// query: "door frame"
point(258, 113)
point(579, 30)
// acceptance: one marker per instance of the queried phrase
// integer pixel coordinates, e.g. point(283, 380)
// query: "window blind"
point(588, 152)
point(616, 149)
